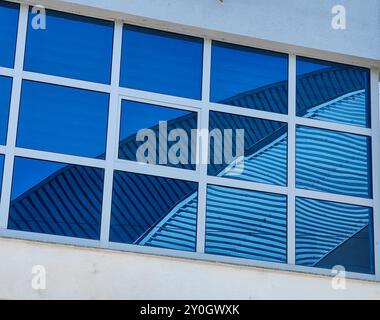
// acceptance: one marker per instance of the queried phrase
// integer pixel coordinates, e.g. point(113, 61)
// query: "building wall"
point(301, 25)
point(81, 273)
point(74, 272)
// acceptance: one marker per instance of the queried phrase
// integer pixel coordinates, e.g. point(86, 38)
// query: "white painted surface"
point(301, 23)
point(81, 273)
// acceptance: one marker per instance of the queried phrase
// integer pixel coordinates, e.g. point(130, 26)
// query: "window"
point(5, 101)
point(124, 164)
point(246, 224)
point(71, 46)
point(333, 92)
point(249, 78)
point(248, 148)
point(331, 234)
point(56, 198)
point(334, 162)
point(157, 135)
point(8, 29)
point(161, 62)
point(64, 120)
point(154, 211)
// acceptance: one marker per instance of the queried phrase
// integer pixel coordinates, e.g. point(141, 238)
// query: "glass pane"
point(64, 120)
point(161, 62)
point(70, 46)
point(333, 92)
point(8, 31)
point(329, 234)
point(248, 148)
point(246, 224)
point(56, 198)
point(5, 101)
point(335, 162)
point(249, 78)
point(157, 135)
point(154, 211)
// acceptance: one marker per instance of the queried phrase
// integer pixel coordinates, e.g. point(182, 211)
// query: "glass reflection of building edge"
point(344, 233)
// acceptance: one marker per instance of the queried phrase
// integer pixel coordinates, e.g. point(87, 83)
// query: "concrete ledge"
point(86, 273)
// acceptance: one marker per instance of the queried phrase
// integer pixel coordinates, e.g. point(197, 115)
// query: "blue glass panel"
point(246, 224)
point(55, 198)
point(5, 101)
point(145, 135)
point(161, 62)
point(333, 92)
point(8, 30)
point(335, 162)
point(261, 157)
point(64, 120)
point(154, 211)
point(249, 78)
point(329, 234)
point(71, 46)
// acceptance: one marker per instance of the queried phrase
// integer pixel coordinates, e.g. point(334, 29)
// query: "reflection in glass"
point(55, 198)
point(249, 78)
point(154, 211)
point(333, 92)
point(246, 224)
point(61, 119)
point(335, 162)
point(264, 156)
point(161, 62)
point(8, 30)
point(330, 234)
point(5, 101)
point(71, 46)
point(157, 142)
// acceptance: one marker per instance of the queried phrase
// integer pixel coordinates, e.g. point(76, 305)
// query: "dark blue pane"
point(161, 62)
point(5, 101)
point(246, 224)
point(333, 92)
point(332, 234)
point(55, 198)
point(154, 211)
point(71, 46)
point(249, 78)
point(8, 31)
point(157, 135)
point(335, 162)
point(61, 119)
point(248, 148)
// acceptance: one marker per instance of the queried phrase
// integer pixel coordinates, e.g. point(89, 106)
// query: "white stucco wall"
point(82, 273)
point(302, 25)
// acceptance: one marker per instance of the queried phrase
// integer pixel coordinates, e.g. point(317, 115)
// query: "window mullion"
point(112, 134)
point(13, 116)
point(203, 148)
point(291, 211)
point(375, 118)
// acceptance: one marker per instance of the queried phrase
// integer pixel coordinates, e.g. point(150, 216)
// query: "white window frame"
point(203, 107)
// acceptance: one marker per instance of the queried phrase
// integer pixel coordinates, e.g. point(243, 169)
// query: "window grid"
point(200, 175)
